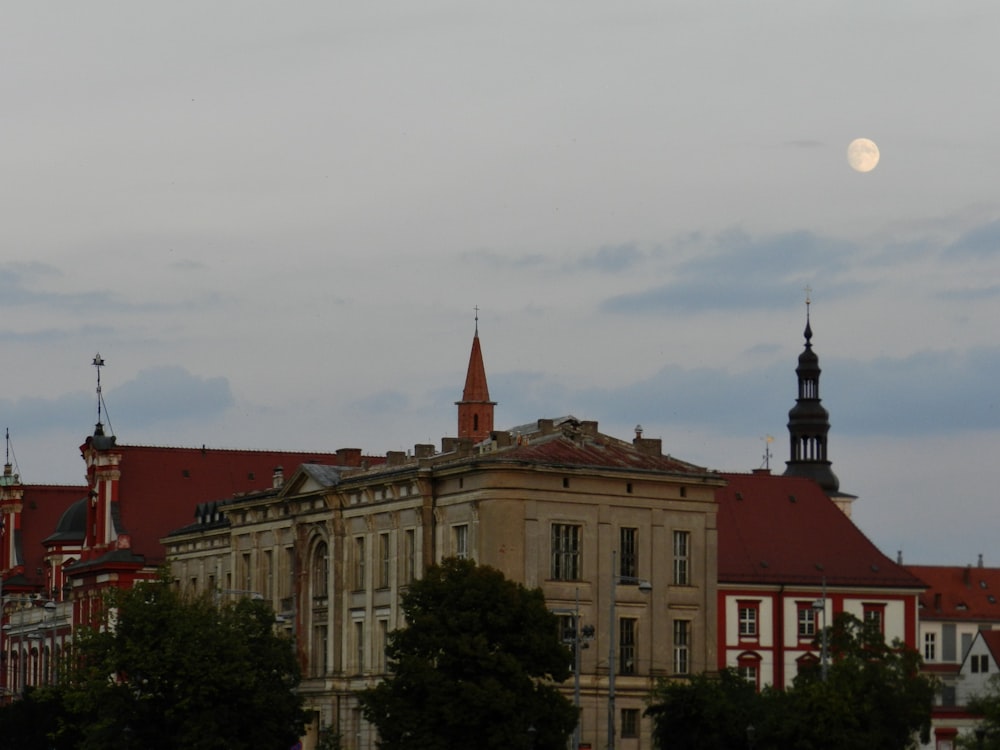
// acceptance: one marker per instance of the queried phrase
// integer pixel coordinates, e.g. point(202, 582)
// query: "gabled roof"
point(785, 530)
point(958, 592)
point(992, 640)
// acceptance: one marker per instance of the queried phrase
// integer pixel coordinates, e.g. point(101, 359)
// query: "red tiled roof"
point(776, 529)
point(992, 640)
point(593, 451)
point(959, 593)
point(161, 487)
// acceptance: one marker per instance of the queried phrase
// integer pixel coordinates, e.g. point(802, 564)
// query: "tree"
point(711, 712)
point(166, 671)
point(476, 666)
point(987, 705)
point(874, 696)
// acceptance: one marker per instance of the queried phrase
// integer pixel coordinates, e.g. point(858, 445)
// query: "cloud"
point(169, 393)
point(981, 242)
point(612, 258)
point(929, 393)
point(734, 270)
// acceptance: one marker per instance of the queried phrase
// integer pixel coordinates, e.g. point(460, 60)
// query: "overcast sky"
point(274, 221)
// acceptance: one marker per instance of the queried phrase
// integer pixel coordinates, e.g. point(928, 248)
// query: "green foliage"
point(873, 697)
point(475, 667)
point(167, 672)
point(987, 705)
point(35, 720)
point(709, 712)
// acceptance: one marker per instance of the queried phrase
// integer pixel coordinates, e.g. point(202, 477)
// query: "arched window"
point(320, 571)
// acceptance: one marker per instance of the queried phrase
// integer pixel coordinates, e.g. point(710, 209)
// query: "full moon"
point(862, 155)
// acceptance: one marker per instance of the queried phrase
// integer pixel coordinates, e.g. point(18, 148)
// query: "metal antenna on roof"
point(99, 363)
point(768, 439)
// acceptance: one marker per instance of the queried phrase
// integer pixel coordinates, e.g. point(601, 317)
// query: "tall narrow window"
point(268, 575)
point(630, 722)
point(359, 645)
point(410, 552)
point(359, 563)
point(628, 568)
point(930, 646)
point(247, 573)
point(874, 616)
point(626, 645)
point(682, 558)
point(381, 645)
point(682, 646)
point(383, 557)
point(460, 541)
point(320, 572)
point(565, 552)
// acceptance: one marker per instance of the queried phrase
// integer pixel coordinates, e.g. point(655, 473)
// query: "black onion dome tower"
point(809, 426)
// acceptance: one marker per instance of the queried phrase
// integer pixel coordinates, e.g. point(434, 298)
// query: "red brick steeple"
point(475, 410)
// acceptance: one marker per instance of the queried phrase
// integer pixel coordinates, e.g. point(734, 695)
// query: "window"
point(382, 645)
point(460, 541)
point(980, 663)
point(874, 616)
point(748, 667)
point(682, 558)
point(320, 571)
point(630, 722)
point(383, 558)
point(247, 573)
point(359, 562)
point(626, 645)
point(930, 646)
point(807, 620)
point(410, 551)
point(682, 646)
point(748, 612)
point(628, 564)
point(359, 645)
point(268, 574)
point(565, 552)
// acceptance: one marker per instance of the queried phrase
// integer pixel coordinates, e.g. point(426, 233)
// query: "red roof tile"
point(593, 451)
point(776, 529)
point(992, 640)
point(161, 487)
point(959, 593)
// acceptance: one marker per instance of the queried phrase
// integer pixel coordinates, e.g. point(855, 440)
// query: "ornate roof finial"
point(99, 363)
point(808, 332)
point(476, 308)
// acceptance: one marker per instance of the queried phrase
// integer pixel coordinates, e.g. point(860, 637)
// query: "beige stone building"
point(555, 504)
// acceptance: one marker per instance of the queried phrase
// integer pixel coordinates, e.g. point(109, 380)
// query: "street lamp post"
point(645, 587)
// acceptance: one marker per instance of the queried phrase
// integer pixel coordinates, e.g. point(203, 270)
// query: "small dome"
point(73, 523)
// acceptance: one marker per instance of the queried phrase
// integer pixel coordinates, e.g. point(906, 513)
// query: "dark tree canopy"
point(171, 672)
point(986, 705)
point(874, 696)
point(475, 667)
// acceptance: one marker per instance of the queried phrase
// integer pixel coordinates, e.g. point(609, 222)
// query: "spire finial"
point(476, 308)
point(808, 332)
point(98, 363)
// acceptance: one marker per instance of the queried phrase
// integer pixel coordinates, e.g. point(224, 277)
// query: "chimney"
point(278, 477)
point(423, 450)
point(980, 559)
point(395, 458)
point(448, 444)
point(502, 439)
point(649, 446)
point(546, 426)
point(588, 428)
point(349, 456)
